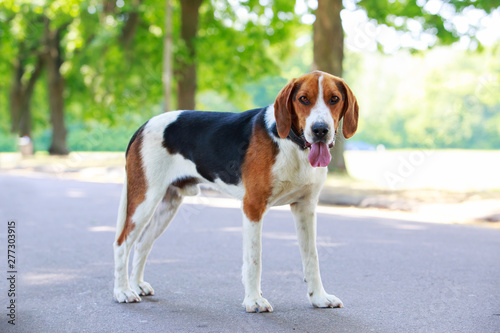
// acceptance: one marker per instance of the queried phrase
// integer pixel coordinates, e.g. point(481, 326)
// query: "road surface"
point(392, 275)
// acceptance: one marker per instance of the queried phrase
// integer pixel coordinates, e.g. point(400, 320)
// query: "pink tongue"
point(319, 156)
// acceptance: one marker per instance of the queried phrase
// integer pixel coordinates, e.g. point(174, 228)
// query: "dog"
point(276, 155)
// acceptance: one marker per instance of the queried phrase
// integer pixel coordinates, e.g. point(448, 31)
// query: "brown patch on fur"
point(183, 182)
point(256, 173)
point(283, 109)
point(330, 86)
point(350, 110)
point(169, 149)
point(136, 184)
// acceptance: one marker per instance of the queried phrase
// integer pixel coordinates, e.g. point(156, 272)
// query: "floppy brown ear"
point(283, 110)
point(351, 112)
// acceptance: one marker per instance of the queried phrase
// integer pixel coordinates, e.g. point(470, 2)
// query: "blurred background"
point(78, 77)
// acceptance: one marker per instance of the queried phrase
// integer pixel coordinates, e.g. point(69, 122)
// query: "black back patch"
point(216, 142)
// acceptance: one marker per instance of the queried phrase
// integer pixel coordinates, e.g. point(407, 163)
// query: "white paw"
point(143, 288)
point(126, 295)
point(259, 304)
point(323, 300)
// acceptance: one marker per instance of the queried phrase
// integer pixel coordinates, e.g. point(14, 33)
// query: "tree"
point(186, 73)
point(328, 33)
point(38, 39)
point(22, 50)
point(21, 92)
point(53, 60)
point(103, 63)
point(328, 49)
point(231, 48)
point(58, 36)
point(167, 56)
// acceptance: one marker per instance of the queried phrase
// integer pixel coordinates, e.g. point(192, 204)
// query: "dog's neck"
point(297, 138)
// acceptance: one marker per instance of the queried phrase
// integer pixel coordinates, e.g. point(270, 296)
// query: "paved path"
point(392, 275)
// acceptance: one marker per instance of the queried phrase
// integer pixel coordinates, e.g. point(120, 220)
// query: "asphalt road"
point(392, 275)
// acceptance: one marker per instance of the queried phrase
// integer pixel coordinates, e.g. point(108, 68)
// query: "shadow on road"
point(393, 275)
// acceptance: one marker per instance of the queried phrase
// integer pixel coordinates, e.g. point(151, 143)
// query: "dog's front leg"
point(252, 267)
point(304, 214)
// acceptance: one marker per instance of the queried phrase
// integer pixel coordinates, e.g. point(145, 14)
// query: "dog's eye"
point(304, 100)
point(334, 100)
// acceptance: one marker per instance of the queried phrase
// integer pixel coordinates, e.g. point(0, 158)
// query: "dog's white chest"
point(293, 177)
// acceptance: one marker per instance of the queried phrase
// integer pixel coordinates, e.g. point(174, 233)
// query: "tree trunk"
point(20, 96)
point(167, 57)
point(108, 7)
point(26, 124)
point(16, 95)
point(328, 39)
point(130, 27)
point(186, 82)
point(53, 62)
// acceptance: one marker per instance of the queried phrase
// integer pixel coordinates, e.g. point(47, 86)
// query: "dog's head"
point(313, 105)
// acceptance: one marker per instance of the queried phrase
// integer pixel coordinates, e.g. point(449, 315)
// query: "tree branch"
point(130, 27)
point(63, 27)
point(34, 76)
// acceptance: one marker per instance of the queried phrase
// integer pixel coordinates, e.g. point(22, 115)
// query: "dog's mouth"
point(308, 145)
point(319, 153)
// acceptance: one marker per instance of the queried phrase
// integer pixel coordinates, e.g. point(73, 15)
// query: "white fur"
point(293, 175)
point(236, 191)
point(270, 118)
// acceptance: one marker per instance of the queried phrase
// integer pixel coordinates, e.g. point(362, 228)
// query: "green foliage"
point(443, 99)
point(236, 49)
point(118, 85)
point(435, 20)
point(246, 53)
point(8, 142)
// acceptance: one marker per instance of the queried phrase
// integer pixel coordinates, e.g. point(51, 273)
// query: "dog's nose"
point(320, 130)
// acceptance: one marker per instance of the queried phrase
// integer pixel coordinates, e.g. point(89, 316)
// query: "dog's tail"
point(122, 210)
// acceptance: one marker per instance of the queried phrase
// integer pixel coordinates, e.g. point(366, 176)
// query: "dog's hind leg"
point(135, 221)
point(164, 213)
point(145, 186)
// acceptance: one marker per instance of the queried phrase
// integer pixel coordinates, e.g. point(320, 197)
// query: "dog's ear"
point(350, 112)
point(283, 109)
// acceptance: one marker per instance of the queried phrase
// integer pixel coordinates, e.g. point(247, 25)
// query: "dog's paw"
point(126, 296)
point(325, 301)
point(257, 305)
point(143, 288)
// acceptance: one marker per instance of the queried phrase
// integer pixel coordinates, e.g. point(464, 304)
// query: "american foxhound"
point(276, 155)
